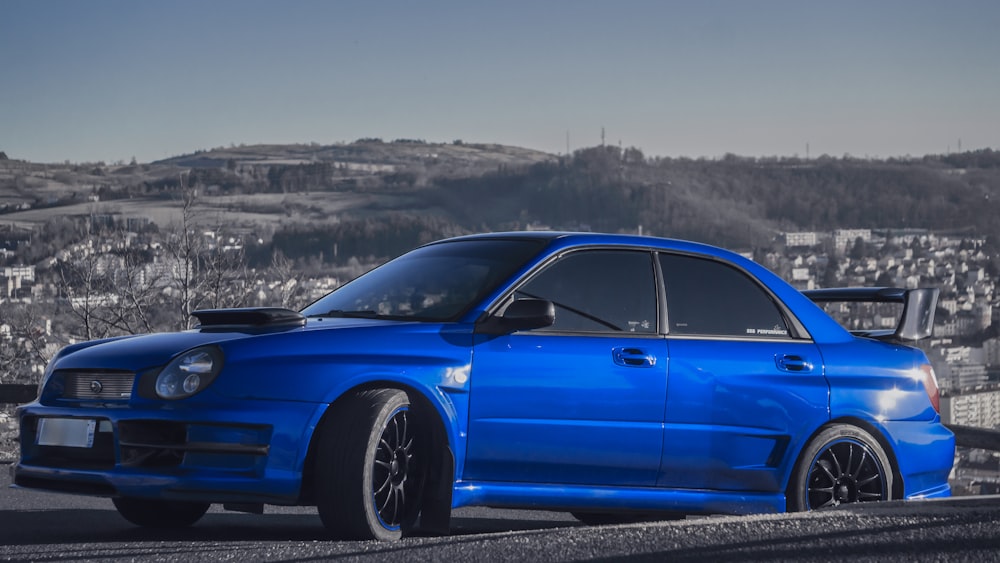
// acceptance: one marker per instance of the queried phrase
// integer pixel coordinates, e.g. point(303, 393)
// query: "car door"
point(744, 388)
point(581, 401)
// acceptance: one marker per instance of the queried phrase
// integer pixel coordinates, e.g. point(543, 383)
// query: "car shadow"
point(89, 526)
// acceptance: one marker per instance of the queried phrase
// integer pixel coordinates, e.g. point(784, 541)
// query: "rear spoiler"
point(916, 322)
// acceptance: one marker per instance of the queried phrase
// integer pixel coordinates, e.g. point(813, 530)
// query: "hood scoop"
point(250, 318)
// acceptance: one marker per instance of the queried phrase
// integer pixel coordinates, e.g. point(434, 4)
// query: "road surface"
point(36, 526)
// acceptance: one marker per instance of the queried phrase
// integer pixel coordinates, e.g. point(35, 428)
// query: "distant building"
point(843, 239)
point(979, 408)
point(959, 367)
point(16, 282)
point(26, 273)
point(965, 323)
point(801, 239)
point(965, 376)
point(803, 279)
point(991, 352)
point(136, 224)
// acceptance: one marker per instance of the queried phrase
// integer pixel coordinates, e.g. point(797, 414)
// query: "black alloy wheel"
point(846, 471)
point(369, 471)
point(842, 464)
point(393, 469)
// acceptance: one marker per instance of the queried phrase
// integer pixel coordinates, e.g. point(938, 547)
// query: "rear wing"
point(916, 321)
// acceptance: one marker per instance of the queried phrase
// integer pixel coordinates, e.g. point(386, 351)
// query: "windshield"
point(434, 283)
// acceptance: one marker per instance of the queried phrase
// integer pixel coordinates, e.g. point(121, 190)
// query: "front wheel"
point(842, 464)
point(153, 513)
point(369, 467)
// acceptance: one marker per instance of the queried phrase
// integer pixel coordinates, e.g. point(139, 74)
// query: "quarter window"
point(598, 291)
point(707, 297)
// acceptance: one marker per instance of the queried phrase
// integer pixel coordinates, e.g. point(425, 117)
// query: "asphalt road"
point(37, 526)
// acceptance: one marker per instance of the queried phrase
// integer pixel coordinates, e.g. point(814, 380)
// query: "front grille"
point(98, 385)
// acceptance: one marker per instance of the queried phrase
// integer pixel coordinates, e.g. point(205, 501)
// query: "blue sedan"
point(615, 377)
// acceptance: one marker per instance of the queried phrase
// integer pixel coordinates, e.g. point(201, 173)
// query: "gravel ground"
point(37, 526)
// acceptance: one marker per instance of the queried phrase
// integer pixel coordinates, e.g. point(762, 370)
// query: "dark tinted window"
point(599, 290)
point(436, 282)
point(706, 297)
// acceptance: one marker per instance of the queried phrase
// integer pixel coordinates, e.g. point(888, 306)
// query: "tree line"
point(733, 201)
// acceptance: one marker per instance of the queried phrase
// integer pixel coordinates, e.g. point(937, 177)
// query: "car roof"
point(568, 239)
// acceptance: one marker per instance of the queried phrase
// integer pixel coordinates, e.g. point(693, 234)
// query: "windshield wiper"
point(340, 313)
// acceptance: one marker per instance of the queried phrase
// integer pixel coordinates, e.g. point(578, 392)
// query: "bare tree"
point(227, 280)
point(110, 292)
point(138, 293)
point(204, 270)
point(82, 284)
point(287, 292)
point(184, 247)
point(24, 346)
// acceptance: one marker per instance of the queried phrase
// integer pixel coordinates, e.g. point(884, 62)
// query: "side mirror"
point(522, 314)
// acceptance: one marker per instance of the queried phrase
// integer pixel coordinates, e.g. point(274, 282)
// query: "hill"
point(251, 188)
point(375, 198)
point(371, 154)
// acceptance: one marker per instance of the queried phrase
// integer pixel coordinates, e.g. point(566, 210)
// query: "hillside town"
point(965, 349)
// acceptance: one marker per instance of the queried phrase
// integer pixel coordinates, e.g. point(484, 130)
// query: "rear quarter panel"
point(881, 385)
point(876, 381)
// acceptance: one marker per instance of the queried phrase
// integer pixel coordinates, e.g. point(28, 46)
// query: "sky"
point(111, 80)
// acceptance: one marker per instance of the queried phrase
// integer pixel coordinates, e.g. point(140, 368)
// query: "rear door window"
point(710, 298)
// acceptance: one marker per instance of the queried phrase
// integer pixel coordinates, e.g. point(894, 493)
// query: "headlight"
point(189, 373)
point(49, 368)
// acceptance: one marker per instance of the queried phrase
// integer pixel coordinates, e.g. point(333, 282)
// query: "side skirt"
point(580, 497)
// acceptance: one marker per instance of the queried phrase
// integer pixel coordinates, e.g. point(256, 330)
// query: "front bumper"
point(252, 454)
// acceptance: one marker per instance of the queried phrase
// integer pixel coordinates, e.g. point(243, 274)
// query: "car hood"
point(138, 353)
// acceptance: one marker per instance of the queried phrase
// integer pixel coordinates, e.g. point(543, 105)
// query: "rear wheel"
point(369, 467)
point(842, 464)
point(153, 513)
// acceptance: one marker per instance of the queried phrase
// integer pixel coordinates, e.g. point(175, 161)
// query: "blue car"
point(614, 377)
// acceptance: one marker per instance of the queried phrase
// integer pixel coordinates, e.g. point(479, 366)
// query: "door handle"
point(633, 357)
point(791, 362)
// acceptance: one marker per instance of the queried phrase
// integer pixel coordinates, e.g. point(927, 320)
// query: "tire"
point(153, 513)
point(369, 467)
point(842, 464)
point(607, 518)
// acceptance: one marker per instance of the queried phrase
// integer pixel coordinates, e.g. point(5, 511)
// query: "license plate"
point(66, 432)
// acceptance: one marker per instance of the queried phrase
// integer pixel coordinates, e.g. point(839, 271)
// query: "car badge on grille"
point(96, 387)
